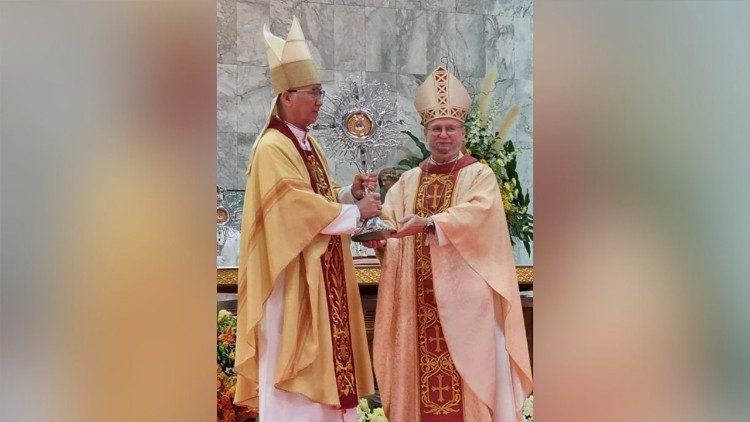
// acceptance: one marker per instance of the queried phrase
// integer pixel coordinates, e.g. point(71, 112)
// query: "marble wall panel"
point(344, 76)
point(317, 23)
point(523, 8)
point(500, 47)
point(439, 5)
point(350, 2)
point(327, 79)
point(504, 96)
point(226, 31)
point(523, 48)
point(412, 37)
point(470, 45)
point(251, 46)
point(524, 167)
point(510, 8)
point(388, 78)
point(507, 92)
point(501, 8)
point(254, 97)
point(226, 98)
point(281, 15)
point(441, 38)
point(349, 38)
point(474, 7)
point(227, 174)
point(524, 98)
point(245, 143)
point(408, 4)
point(407, 87)
point(381, 40)
point(379, 3)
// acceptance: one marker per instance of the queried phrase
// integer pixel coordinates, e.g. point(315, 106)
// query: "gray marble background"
point(395, 41)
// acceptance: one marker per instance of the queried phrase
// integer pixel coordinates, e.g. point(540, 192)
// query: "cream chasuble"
point(449, 340)
point(321, 352)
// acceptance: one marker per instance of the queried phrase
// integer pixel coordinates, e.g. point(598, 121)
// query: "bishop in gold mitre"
point(301, 351)
point(450, 343)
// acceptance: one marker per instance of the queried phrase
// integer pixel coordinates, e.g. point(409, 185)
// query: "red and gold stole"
point(332, 262)
point(440, 392)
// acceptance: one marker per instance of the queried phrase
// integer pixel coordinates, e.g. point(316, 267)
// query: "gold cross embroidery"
point(437, 339)
point(434, 196)
point(440, 388)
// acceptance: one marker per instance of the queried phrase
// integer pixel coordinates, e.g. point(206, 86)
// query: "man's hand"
point(360, 181)
point(369, 206)
point(410, 225)
point(374, 244)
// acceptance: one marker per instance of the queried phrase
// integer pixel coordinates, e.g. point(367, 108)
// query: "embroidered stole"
point(332, 262)
point(441, 397)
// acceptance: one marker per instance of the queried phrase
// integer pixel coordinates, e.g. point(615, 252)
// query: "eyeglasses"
point(450, 130)
point(317, 93)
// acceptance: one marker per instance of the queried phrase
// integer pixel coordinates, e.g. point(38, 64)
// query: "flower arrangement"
point(226, 330)
point(487, 140)
point(365, 414)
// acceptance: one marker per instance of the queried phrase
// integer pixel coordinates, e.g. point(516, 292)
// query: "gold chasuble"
point(290, 198)
point(449, 334)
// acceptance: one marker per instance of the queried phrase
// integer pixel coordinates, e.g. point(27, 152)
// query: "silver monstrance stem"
point(373, 228)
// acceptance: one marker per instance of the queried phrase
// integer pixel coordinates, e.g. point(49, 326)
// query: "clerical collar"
point(435, 163)
point(301, 135)
point(462, 162)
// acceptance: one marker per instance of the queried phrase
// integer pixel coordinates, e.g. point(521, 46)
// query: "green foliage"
point(226, 330)
point(413, 161)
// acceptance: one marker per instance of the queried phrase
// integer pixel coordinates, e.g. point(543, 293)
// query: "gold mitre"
point(442, 95)
point(289, 60)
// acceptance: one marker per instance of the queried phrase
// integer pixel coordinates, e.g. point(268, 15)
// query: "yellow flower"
point(506, 196)
point(363, 405)
point(378, 415)
point(223, 314)
point(483, 161)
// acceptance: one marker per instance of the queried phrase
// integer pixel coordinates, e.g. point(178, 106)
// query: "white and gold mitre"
point(442, 95)
point(289, 61)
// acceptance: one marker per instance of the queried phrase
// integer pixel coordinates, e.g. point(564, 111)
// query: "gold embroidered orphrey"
point(440, 393)
point(332, 263)
point(338, 306)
